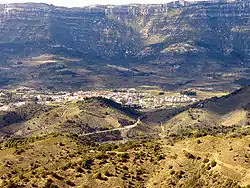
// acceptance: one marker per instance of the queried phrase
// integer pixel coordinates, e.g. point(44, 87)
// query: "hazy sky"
point(79, 3)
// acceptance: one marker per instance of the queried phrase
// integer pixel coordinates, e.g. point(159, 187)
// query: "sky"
point(81, 3)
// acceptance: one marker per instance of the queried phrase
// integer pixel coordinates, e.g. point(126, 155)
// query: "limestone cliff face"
point(213, 29)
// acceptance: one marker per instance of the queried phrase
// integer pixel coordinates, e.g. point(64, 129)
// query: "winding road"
point(116, 129)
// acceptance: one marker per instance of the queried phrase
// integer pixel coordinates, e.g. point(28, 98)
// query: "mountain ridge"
point(149, 40)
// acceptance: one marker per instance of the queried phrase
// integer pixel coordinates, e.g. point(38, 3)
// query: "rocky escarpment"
point(193, 38)
point(132, 30)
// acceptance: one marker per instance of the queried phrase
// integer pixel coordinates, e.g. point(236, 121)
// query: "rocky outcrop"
point(219, 27)
point(179, 39)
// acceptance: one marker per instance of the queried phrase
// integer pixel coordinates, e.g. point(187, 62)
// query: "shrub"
point(179, 176)
point(160, 157)
point(87, 162)
point(61, 144)
point(208, 167)
point(189, 155)
point(99, 176)
point(107, 147)
point(107, 173)
point(128, 145)
point(101, 156)
point(19, 151)
point(21, 176)
point(55, 175)
point(213, 163)
point(172, 172)
point(53, 186)
point(67, 166)
point(43, 174)
point(70, 183)
point(48, 183)
point(198, 141)
point(80, 170)
point(206, 160)
point(78, 175)
point(123, 157)
point(140, 155)
point(11, 184)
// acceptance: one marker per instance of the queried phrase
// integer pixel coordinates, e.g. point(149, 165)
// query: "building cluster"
point(180, 99)
point(129, 97)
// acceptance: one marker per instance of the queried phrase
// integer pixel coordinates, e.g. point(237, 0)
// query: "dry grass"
point(234, 118)
point(221, 163)
point(64, 161)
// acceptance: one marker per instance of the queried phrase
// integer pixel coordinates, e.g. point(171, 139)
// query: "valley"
point(107, 46)
point(88, 138)
point(136, 95)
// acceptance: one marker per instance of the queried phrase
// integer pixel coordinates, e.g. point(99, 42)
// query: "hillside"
point(104, 46)
point(227, 115)
point(100, 143)
point(80, 118)
point(66, 161)
point(125, 96)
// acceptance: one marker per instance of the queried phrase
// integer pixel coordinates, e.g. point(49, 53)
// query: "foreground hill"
point(99, 143)
point(66, 161)
point(80, 118)
point(103, 46)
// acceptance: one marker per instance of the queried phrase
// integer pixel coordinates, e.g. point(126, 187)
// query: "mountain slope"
point(155, 43)
point(66, 161)
point(80, 118)
point(228, 114)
